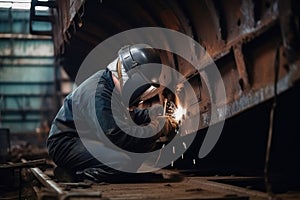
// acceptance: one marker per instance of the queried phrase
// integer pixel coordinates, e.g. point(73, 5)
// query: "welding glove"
point(169, 128)
point(170, 124)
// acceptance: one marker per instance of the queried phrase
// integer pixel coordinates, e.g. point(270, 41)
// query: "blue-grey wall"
point(27, 74)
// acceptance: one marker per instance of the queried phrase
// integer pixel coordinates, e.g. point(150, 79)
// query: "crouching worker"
point(98, 124)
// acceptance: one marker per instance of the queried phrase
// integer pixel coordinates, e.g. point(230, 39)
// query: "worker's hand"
point(170, 124)
point(170, 127)
point(167, 133)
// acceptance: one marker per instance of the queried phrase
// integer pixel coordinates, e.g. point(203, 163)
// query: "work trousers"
point(68, 152)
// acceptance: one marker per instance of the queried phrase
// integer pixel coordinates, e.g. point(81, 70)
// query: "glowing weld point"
point(182, 156)
point(173, 149)
point(194, 161)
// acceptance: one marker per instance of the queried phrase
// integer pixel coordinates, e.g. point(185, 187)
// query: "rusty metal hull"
point(242, 37)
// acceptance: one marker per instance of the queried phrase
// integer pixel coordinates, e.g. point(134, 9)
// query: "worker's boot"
point(101, 175)
point(64, 175)
point(97, 174)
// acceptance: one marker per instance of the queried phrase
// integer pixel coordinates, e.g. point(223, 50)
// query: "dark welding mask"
point(142, 64)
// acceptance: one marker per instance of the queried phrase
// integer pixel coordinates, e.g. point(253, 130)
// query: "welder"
point(136, 68)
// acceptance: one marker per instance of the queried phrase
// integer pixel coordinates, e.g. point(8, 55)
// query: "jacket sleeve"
point(63, 122)
point(140, 116)
point(119, 126)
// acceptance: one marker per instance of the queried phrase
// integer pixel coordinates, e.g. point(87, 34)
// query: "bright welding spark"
point(179, 113)
point(184, 145)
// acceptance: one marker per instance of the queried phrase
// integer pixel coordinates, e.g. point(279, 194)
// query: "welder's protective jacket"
point(87, 112)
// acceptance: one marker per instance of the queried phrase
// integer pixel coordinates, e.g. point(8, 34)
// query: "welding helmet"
point(142, 64)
